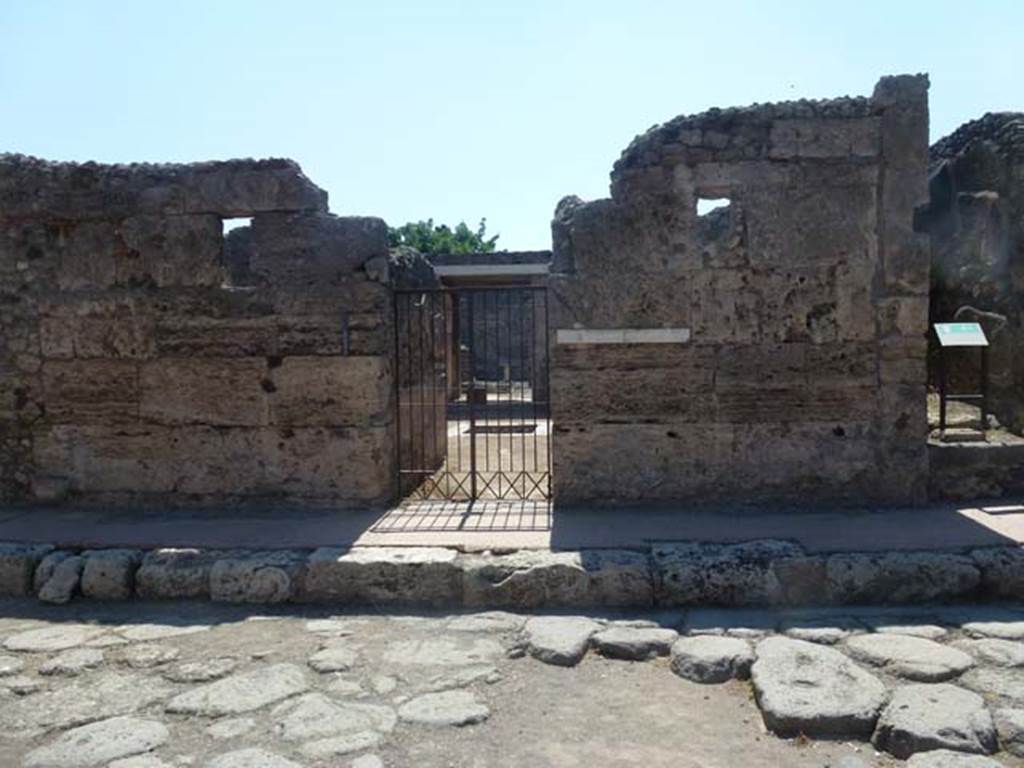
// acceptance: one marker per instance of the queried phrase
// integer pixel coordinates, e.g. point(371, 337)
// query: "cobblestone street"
point(149, 685)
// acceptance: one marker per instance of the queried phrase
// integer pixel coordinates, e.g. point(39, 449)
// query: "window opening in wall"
point(706, 205)
point(237, 248)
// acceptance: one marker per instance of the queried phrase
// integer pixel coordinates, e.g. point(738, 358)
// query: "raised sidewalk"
point(518, 555)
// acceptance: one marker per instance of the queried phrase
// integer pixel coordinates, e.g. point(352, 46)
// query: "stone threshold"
point(761, 573)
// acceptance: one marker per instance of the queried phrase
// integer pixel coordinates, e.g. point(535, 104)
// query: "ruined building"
point(770, 350)
point(975, 220)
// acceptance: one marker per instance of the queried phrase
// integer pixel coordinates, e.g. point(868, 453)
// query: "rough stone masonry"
point(806, 299)
point(133, 365)
point(143, 355)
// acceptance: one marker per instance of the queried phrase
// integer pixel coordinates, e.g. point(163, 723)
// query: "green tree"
point(428, 238)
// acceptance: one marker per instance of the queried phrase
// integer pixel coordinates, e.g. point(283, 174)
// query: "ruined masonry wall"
point(131, 368)
point(807, 301)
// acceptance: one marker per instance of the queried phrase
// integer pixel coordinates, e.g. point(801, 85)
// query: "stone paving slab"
point(231, 685)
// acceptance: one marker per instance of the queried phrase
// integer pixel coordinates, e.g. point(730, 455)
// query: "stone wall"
point(975, 218)
point(133, 366)
point(806, 298)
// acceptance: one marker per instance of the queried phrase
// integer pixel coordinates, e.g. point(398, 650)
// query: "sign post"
point(962, 335)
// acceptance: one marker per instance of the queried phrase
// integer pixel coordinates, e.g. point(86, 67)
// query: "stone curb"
point(756, 573)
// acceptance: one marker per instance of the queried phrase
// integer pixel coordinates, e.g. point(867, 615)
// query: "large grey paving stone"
point(49, 639)
point(147, 632)
point(332, 746)
point(109, 574)
point(813, 689)
point(541, 579)
point(919, 718)
point(721, 574)
point(147, 655)
point(444, 708)
point(384, 575)
point(900, 577)
point(992, 650)
point(10, 665)
point(711, 658)
point(945, 758)
point(81, 701)
point(18, 563)
point(634, 643)
point(241, 692)
point(202, 671)
point(140, 761)
point(559, 640)
point(253, 757)
point(72, 662)
point(456, 650)
point(914, 658)
point(490, 621)
point(1003, 683)
point(826, 630)
point(317, 716)
point(1005, 630)
point(334, 659)
point(1010, 730)
point(99, 743)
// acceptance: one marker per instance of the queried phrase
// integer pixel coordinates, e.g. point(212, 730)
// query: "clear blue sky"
point(456, 110)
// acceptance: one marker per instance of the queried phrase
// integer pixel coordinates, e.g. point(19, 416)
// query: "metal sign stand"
point(962, 335)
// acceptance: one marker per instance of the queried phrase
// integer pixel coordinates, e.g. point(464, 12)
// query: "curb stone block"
point(18, 564)
point(386, 575)
point(534, 579)
point(109, 574)
point(900, 577)
point(722, 574)
point(46, 567)
point(257, 577)
point(61, 586)
point(175, 573)
point(1002, 571)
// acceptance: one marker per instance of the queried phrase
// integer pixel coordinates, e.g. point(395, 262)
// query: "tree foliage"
point(429, 238)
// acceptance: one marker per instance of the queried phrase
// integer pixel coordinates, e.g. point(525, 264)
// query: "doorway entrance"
point(473, 418)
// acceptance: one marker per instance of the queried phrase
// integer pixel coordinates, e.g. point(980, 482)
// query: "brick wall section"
point(131, 370)
point(807, 300)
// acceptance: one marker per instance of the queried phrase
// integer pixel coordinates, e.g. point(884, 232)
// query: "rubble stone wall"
point(806, 298)
point(975, 218)
point(134, 364)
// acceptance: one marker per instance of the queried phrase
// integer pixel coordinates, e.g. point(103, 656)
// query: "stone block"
point(242, 188)
point(902, 360)
point(63, 583)
point(903, 316)
point(91, 391)
point(257, 577)
point(331, 391)
point(416, 576)
point(347, 464)
point(721, 574)
point(170, 574)
point(1002, 571)
point(167, 251)
point(533, 579)
point(900, 577)
point(215, 337)
point(44, 571)
point(311, 248)
point(18, 563)
point(825, 138)
point(211, 391)
point(96, 324)
point(109, 574)
point(801, 580)
point(90, 253)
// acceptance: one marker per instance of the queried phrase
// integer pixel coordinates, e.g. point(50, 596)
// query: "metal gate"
point(472, 393)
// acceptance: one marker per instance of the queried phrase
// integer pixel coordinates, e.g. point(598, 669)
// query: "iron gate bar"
point(489, 364)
